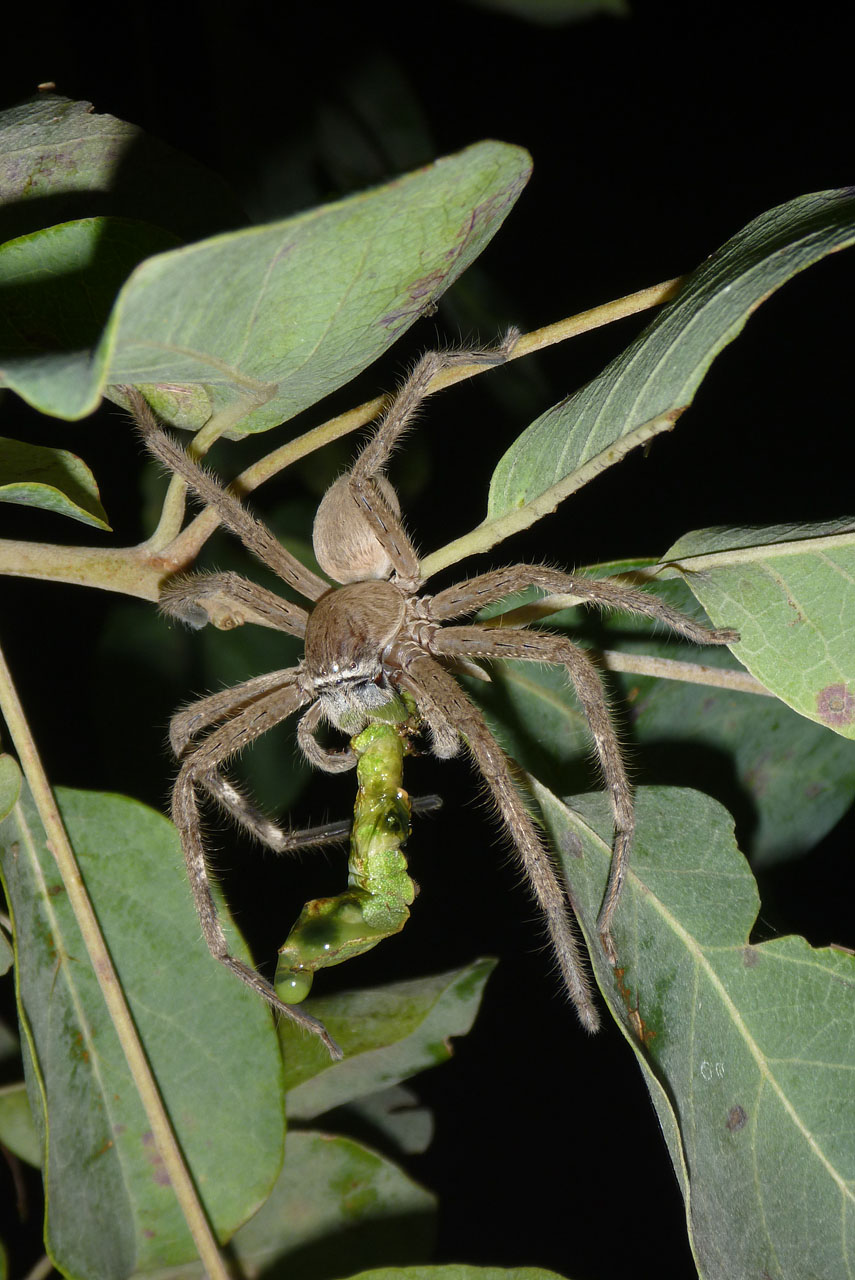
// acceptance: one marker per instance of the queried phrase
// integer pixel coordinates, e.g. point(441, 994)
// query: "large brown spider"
point(367, 642)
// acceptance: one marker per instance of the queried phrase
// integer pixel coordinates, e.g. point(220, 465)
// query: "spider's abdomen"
point(346, 546)
point(348, 632)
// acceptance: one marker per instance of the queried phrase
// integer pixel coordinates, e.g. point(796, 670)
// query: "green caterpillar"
point(376, 903)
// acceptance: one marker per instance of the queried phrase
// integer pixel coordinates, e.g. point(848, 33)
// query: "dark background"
point(655, 137)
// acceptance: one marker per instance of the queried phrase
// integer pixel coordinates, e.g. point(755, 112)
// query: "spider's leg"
point(441, 701)
point(606, 593)
point(408, 400)
point(358, 532)
point(192, 720)
point(189, 723)
point(227, 600)
point(248, 815)
point(258, 824)
point(539, 646)
point(198, 767)
point(255, 535)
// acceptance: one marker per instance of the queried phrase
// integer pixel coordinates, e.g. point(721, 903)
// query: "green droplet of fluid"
point(292, 987)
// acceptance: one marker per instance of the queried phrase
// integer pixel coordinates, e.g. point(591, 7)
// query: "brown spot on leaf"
point(422, 293)
point(749, 957)
point(78, 1048)
point(570, 844)
point(835, 704)
point(736, 1118)
point(757, 780)
point(639, 1027)
point(158, 1168)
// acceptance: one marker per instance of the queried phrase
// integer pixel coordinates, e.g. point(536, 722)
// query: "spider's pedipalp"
point(321, 757)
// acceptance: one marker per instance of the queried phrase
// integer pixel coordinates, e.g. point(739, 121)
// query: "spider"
point(373, 643)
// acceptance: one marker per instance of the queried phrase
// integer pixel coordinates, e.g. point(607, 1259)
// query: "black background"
point(654, 137)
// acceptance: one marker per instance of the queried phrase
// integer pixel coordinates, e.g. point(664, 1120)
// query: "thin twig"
point(139, 571)
point(642, 664)
point(42, 1269)
point(188, 544)
point(738, 681)
point(108, 980)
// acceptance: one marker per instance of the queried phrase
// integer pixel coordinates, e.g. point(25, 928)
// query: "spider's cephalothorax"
point(374, 649)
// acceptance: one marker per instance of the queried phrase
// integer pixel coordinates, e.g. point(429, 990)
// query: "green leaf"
point(17, 1128)
point(52, 479)
point(61, 160)
point(786, 780)
point(269, 320)
point(748, 1050)
point(10, 783)
point(790, 590)
point(335, 1206)
point(211, 1044)
point(337, 1200)
point(394, 1117)
point(654, 380)
point(264, 321)
point(59, 286)
point(388, 1034)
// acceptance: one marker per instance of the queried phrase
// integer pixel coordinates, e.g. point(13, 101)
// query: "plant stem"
point(643, 664)
point(108, 979)
point(140, 571)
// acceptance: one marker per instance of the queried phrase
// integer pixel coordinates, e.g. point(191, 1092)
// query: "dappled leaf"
point(61, 160)
point(336, 1205)
point(336, 1199)
point(58, 287)
point(10, 783)
point(387, 1033)
point(52, 479)
point(274, 318)
point(394, 1118)
point(211, 1044)
point(17, 1130)
point(790, 591)
point(266, 320)
point(748, 1050)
